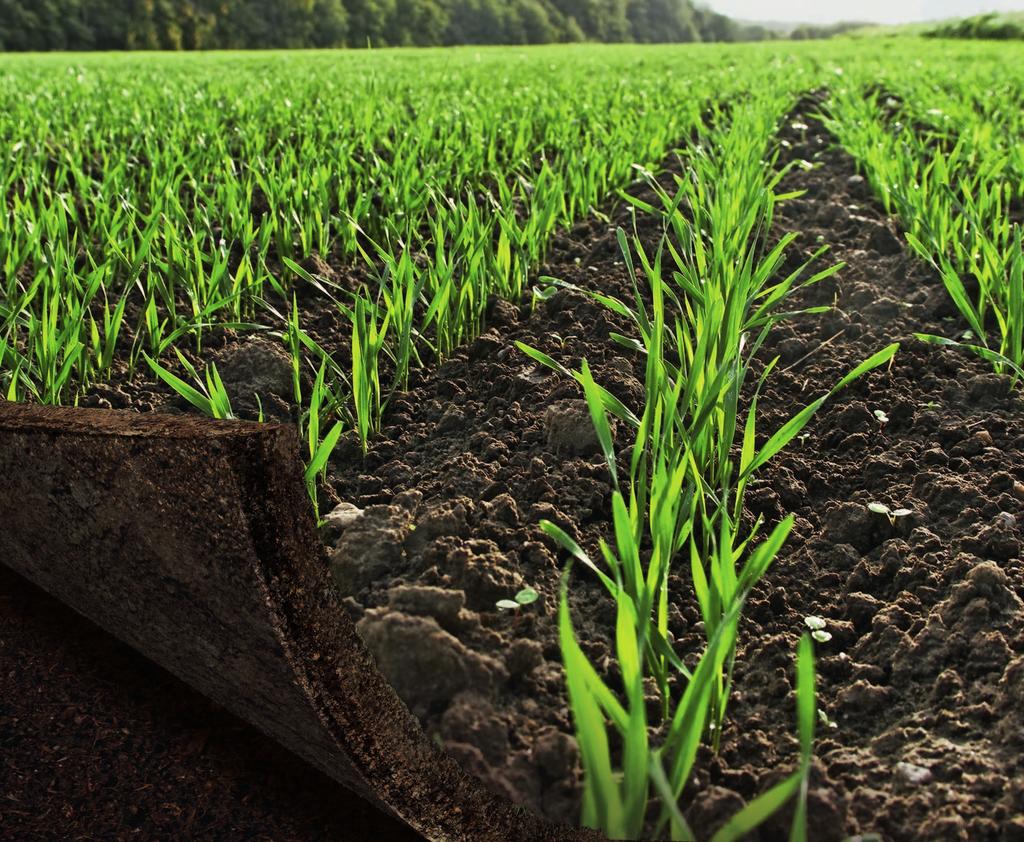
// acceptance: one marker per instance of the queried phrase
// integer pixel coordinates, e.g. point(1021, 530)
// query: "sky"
point(875, 11)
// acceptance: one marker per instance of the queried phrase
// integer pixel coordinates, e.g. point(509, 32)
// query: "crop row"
point(947, 159)
point(142, 210)
point(703, 304)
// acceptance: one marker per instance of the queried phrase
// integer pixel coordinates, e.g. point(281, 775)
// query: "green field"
point(153, 202)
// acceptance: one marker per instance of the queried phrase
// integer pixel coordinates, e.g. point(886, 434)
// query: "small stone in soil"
point(569, 429)
point(857, 186)
point(337, 520)
point(913, 774)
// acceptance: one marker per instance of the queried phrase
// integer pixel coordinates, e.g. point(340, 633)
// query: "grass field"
point(363, 212)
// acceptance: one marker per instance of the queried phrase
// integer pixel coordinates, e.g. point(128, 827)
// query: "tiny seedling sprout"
point(525, 597)
point(817, 626)
point(892, 514)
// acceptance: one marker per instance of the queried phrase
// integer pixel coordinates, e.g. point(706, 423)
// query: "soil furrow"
point(467, 463)
point(924, 673)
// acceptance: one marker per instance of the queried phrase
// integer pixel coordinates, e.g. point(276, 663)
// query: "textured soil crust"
point(97, 742)
point(924, 674)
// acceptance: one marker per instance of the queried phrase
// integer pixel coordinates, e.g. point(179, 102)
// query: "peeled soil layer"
point(923, 678)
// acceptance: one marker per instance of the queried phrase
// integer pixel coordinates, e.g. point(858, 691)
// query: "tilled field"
point(907, 490)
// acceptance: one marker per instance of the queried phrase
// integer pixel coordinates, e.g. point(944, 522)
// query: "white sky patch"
point(875, 11)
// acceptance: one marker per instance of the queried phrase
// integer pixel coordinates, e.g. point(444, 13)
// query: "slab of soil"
point(924, 674)
point(96, 742)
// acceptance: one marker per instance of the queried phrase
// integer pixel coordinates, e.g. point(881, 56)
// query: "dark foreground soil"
point(96, 742)
point(924, 674)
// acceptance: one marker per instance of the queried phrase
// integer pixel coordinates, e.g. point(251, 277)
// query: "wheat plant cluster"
point(153, 201)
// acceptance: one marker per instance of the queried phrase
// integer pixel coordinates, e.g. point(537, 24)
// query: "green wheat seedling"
point(953, 197)
point(684, 494)
point(209, 395)
point(320, 449)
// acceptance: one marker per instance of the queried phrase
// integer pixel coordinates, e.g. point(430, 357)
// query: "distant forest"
point(252, 24)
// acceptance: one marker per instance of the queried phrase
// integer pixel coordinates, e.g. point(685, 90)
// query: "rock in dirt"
point(425, 664)
point(337, 520)
point(912, 774)
point(371, 548)
point(442, 604)
point(858, 186)
point(257, 366)
point(569, 429)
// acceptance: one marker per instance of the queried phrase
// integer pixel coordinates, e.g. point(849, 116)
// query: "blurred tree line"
point(226, 24)
point(810, 31)
point(991, 25)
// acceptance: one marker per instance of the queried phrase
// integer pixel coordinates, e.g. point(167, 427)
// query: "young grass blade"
point(193, 396)
point(602, 805)
point(806, 715)
point(678, 826)
point(755, 813)
point(600, 420)
point(567, 543)
point(879, 358)
point(542, 358)
point(985, 353)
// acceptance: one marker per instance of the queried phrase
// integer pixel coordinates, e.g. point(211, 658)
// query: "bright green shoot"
point(209, 395)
